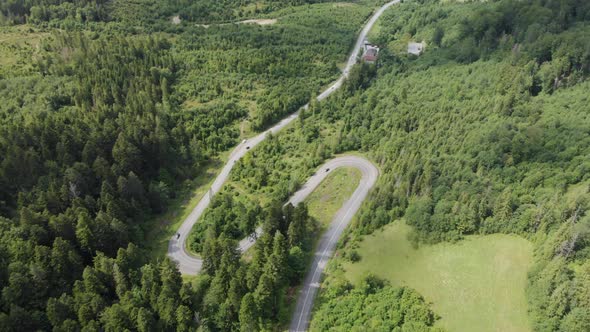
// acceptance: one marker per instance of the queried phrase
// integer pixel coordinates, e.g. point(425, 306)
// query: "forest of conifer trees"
point(108, 110)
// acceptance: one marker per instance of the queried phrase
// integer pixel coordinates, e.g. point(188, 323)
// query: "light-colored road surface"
point(329, 239)
point(369, 176)
point(188, 264)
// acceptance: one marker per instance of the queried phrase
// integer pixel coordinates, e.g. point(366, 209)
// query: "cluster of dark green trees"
point(90, 147)
point(256, 292)
point(113, 294)
point(70, 12)
point(35, 11)
point(373, 305)
point(228, 216)
point(254, 295)
point(98, 132)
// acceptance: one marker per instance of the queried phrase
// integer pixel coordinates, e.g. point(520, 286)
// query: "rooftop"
point(415, 48)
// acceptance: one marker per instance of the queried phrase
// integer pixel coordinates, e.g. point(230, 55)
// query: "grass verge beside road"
point(165, 225)
point(331, 194)
point(322, 204)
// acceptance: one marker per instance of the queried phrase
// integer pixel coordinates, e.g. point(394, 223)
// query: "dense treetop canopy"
point(108, 107)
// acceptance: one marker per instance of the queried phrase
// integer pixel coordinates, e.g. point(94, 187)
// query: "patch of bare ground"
point(262, 21)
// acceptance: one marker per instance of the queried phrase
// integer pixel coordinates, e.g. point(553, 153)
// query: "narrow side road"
point(190, 265)
point(329, 239)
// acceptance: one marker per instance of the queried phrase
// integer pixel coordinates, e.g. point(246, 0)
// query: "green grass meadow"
point(477, 284)
point(328, 197)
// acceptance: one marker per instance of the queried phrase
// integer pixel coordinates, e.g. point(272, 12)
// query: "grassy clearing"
point(18, 47)
point(477, 284)
point(329, 196)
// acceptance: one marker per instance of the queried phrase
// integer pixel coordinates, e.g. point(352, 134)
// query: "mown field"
point(477, 282)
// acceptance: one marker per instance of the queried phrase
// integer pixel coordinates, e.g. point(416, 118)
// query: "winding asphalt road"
point(192, 265)
point(329, 239)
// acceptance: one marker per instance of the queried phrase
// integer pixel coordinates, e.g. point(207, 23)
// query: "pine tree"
point(248, 314)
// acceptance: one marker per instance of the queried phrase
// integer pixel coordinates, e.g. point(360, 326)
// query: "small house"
point(415, 48)
point(370, 53)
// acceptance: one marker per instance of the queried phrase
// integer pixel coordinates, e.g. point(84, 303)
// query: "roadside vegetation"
point(374, 305)
point(107, 117)
point(461, 118)
point(485, 133)
point(260, 184)
point(236, 294)
point(265, 177)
